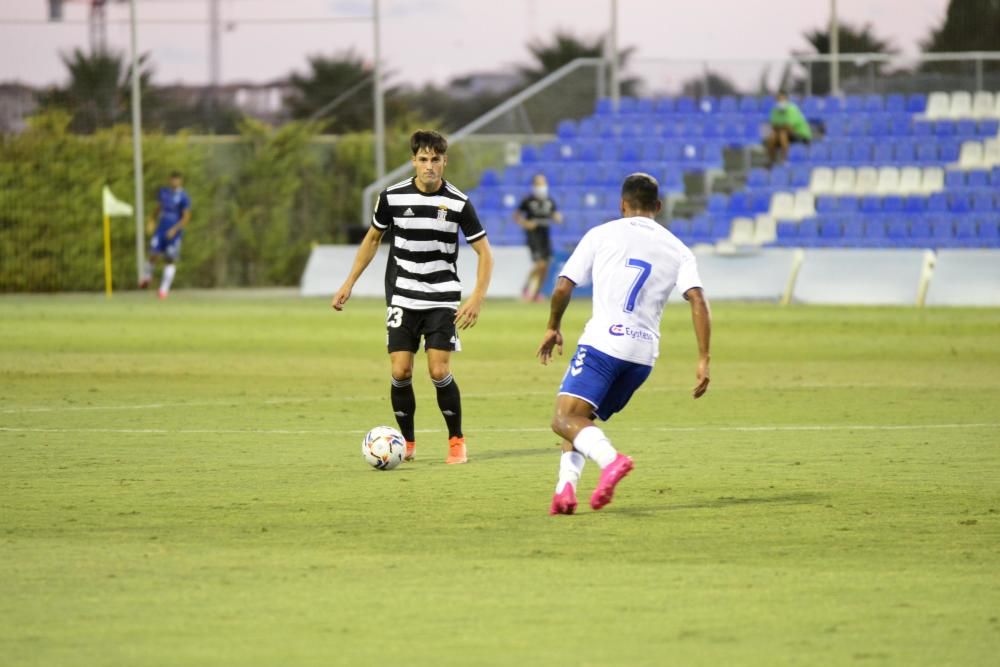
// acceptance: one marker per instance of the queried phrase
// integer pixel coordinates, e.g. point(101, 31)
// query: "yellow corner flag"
point(112, 206)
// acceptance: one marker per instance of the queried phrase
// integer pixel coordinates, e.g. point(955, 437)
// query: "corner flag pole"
point(107, 255)
point(140, 239)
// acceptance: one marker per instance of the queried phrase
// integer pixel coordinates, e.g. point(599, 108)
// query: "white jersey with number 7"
point(633, 264)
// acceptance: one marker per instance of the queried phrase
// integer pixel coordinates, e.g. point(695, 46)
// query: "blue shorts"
point(161, 245)
point(604, 381)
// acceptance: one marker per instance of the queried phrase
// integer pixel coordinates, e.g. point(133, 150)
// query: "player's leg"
point(449, 400)
point(783, 141)
point(171, 254)
point(150, 263)
point(402, 343)
point(771, 144)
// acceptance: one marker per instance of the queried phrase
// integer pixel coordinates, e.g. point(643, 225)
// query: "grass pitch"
point(181, 484)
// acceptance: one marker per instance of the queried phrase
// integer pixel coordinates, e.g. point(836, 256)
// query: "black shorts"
point(539, 244)
point(405, 327)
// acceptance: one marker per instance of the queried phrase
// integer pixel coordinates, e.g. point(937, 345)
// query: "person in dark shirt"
point(535, 214)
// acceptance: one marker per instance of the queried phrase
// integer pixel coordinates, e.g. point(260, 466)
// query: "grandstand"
point(883, 171)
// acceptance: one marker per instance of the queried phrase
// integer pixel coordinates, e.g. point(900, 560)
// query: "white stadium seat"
point(961, 104)
point(866, 181)
point(938, 105)
point(821, 181)
point(805, 205)
point(971, 156)
point(982, 104)
point(782, 205)
point(932, 180)
point(991, 153)
point(741, 233)
point(909, 181)
point(766, 230)
point(888, 181)
point(996, 105)
point(843, 181)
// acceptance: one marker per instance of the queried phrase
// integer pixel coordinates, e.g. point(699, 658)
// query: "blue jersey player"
point(172, 213)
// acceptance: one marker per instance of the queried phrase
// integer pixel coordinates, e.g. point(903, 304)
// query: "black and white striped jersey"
point(422, 229)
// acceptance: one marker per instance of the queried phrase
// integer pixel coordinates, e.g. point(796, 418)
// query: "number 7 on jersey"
point(645, 268)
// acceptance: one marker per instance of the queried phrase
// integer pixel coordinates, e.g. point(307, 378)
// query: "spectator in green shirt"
point(788, 126)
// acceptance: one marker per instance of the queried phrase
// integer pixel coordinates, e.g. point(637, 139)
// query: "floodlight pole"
point(214, 52)
point(613, 55)
point(140, 239)
point(834, 50)
point(379, 97)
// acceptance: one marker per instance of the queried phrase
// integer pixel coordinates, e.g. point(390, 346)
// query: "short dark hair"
point(176, 174)
point(429, 139)
point(641, 191)
point(782, 93)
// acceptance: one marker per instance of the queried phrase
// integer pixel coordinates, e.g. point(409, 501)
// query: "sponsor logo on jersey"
point(634, 334)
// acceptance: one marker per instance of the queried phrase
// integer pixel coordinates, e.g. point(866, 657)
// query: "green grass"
point(181, 484)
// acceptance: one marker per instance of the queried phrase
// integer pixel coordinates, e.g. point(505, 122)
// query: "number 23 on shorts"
point(393, 317)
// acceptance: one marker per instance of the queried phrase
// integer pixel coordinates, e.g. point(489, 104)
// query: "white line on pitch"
point(662, 429)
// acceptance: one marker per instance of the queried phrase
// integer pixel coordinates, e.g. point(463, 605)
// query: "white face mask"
point(540, 191)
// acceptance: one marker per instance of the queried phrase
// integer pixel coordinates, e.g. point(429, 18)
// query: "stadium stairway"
point(883, 171)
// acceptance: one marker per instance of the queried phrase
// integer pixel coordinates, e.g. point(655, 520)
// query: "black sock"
point(450, 402)
point(404, 404)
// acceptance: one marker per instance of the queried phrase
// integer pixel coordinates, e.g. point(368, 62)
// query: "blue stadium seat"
point(988, 232)
point(818, 153)
point(927, 153)
point(975, 178)
point(701, 229)
point(809, 232)
point(945, 128)
point(840, 154)
point(983, 202)
point(781, 176)
point(916, 103)
point(902, 126)
point(489, 177)
point(758, 178)
point(920, 231)
point(875, 234)
point(826, 204)
point(728, 104)
point(895, 103)
point(833, 105)
point(681, 228)
point(719, 203)
point(830, 232)
point(883, 154)
point(761, 202)
point(566, 129)
point(914, 204)
point(854, 104)
point(721, 227)
point(672, 180)
point(857, 127)
point(954, 180)
point(871, 204)
point(904, 151)
point(798, 153)
point(958, 202)
point(874, 103)
point(880, 126)
point(942, 232)
point(937, 202)
point(686, 105)
point(853, 232)
point(995, 177)
point(644, 105)
point(663, 106)
point(892, 204)
point(787, 233)
point(949, 150)
point(965, 233)
point(800, 175)
point(966, 129)
point(923, 128)
point(651, 150)
point(708, 104)
point(626, 105)
point(749, 104)
point(847, 204)
point(989, 127)
point(897, 232)
point(811, 106)
point(603, 107)
point(529, 154)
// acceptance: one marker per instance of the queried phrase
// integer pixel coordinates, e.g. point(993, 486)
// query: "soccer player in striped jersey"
point(634, 264)
point(422, 217)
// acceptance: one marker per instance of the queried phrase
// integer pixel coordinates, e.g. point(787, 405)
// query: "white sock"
point(570, 468)
point(147, 270)
point(168, 277)
point(592, 443)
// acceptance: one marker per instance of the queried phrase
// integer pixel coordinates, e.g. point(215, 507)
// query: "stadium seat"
point(798, 153)
point(826, 204)
point(808, 232)
point(920, 232)
point(897, 232)
point(961, 104)
point(965, 233)
point(758, 178)
point(932, 180)
point(988, 233)
point(901, 126)
point(874, 104)
point(991, 153)
point(830, 232)
point(853, 232)
point(799, 177)
point(895, 103)
point(847, 204)
point(988, 128)
point(782, 206)
point(909, 180)
point(717, 203)
point(805, 205)
point(843, 181)
point(883, 153)
point(875, 234)
point(663, 106)
point(888, 181)
point(786, 233)
point(949, 150)
point(977, 178)
point(937, 202)
point(982, 202)
point(742, 231)
point(870, 204)
point(892, 204)
point(942, 232)
point(765, 230)
point(966, 128)
point(982, 104)
point(680, 228)
point(916, 103)
point(865, 180)
point(927, 153)
point(821, 181)
point(959, 202)
point(914, 204)
point(971, 155)
point(938, 105)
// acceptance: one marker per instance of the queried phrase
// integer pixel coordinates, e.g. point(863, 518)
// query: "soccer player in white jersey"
point(633, 263)
point(422, 216)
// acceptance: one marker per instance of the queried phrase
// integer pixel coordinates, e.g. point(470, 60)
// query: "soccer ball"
point(383, 447)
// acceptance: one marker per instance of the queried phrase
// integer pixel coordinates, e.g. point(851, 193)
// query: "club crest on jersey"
point(442, 213)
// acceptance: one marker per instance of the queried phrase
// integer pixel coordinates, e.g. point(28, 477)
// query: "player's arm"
point(701, 317)
point(468, 313)
point(561, 296)
point(151, 220)
point(181, 224)
point(522, 220)
point(365, 255)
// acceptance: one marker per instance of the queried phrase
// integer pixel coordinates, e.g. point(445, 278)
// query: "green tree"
point(711, 83)
point(850, 40)
point(99, 89)
point(968, 25)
